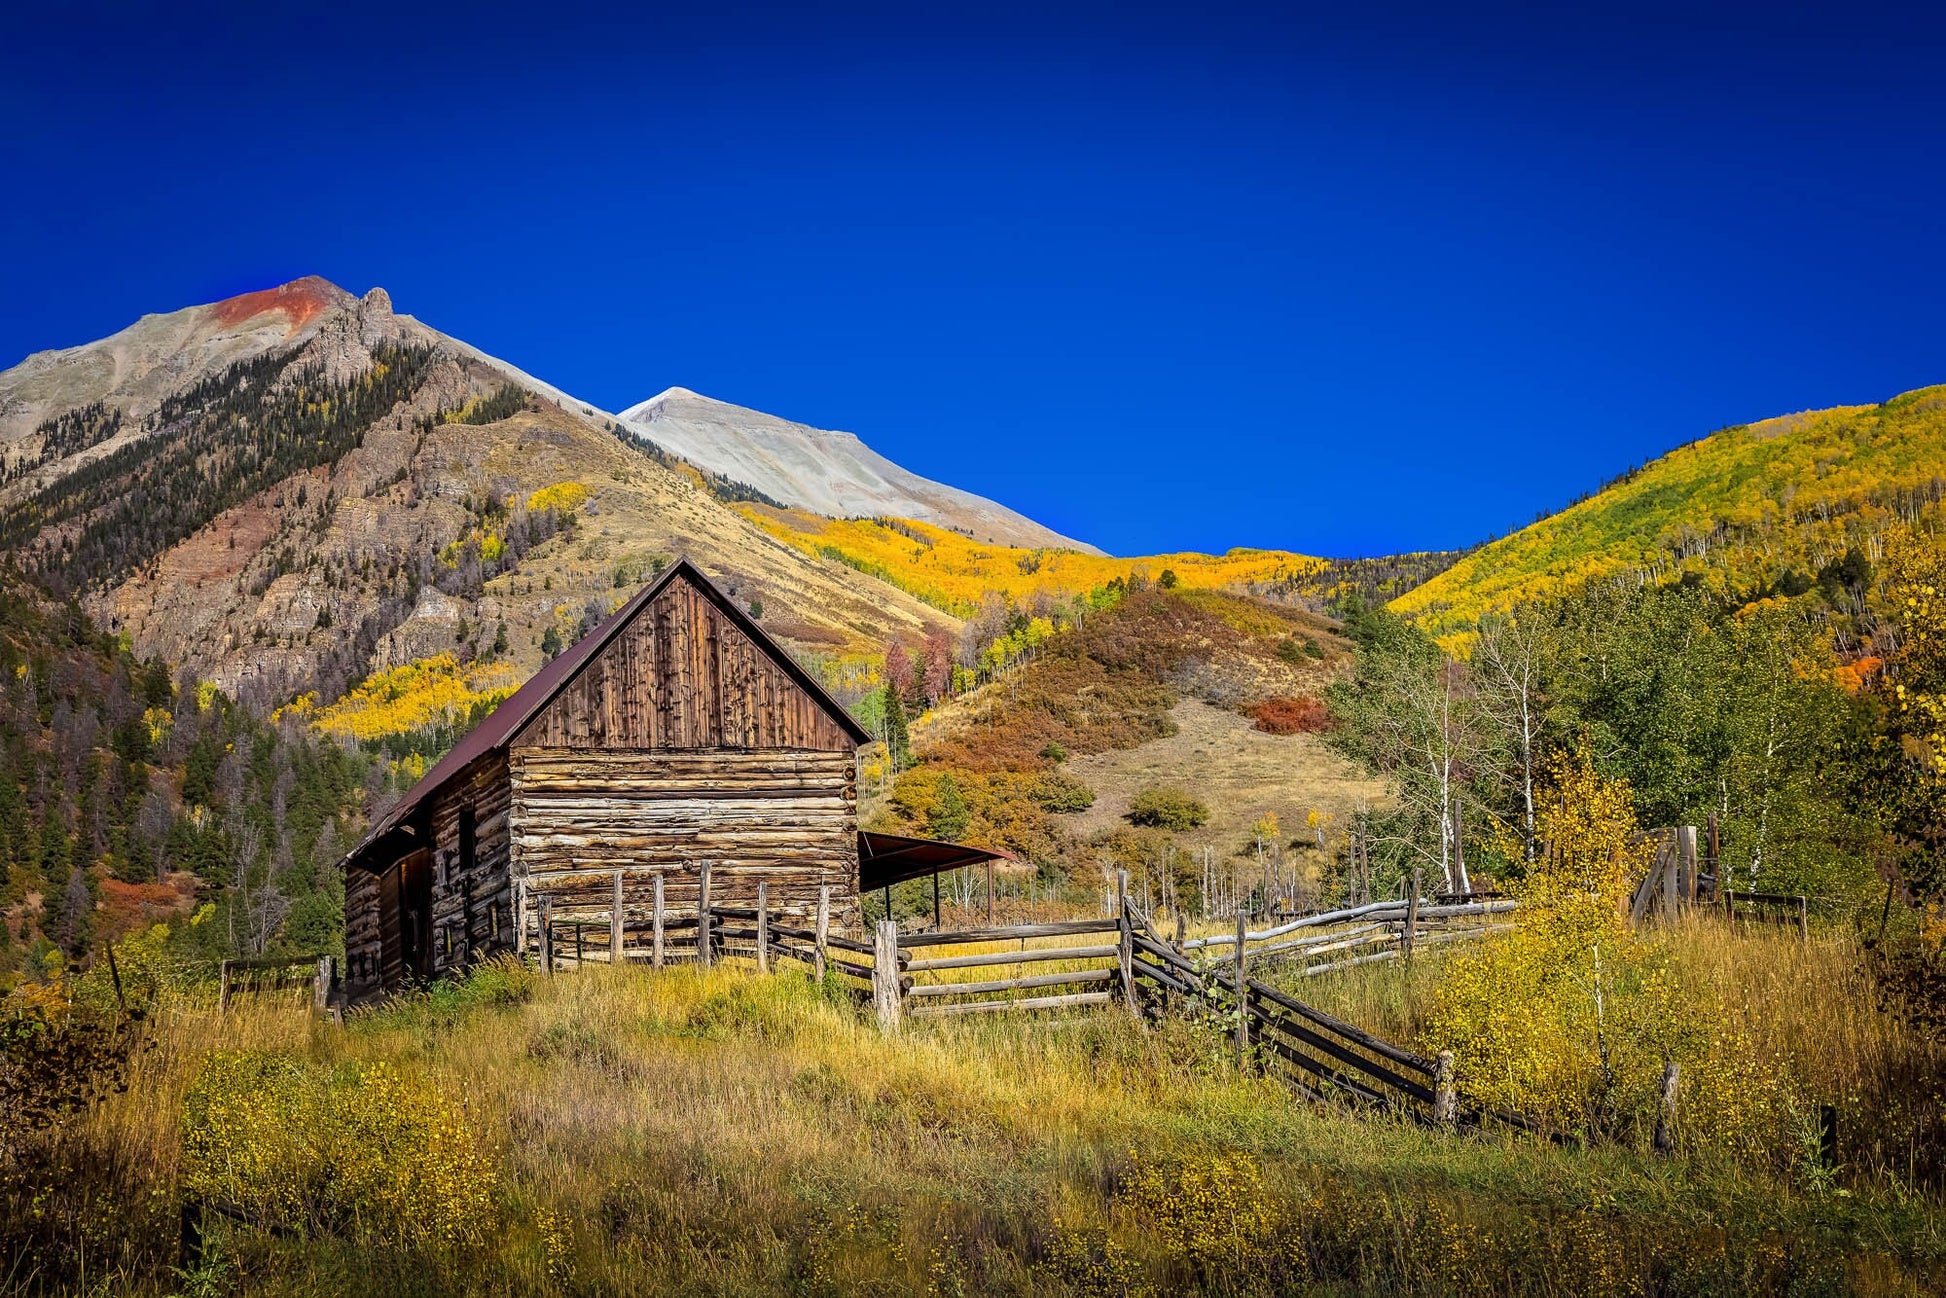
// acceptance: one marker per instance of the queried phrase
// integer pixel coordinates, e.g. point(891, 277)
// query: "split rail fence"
point(1118, 960)
point(1685, 873)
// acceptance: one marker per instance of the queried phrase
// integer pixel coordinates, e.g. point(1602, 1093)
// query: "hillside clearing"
point(1236, 770)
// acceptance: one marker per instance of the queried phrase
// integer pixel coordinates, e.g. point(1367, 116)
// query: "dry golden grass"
point(721, 1132)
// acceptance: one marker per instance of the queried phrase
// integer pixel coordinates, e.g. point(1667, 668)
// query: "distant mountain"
point(824, 472)
point(1740, 509)
point(290, 489)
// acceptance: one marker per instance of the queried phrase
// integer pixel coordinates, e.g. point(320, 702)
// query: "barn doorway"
point(405, 919)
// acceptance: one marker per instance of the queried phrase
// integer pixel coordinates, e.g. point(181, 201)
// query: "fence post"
point(321, 993)
point(824, 925)
point(886, 993)
point(763, 926)
point(656, 957)
point(1665, 1118)
point(1671, 878)
point(1686, 852)
point(1125, 942)
point(1243, 993)
point(702, 919)
point(520, 917)
point(189, 1245)
point(547, 933)
point(1804, 918)
point(1412, 915)
point(1715, 856)
point(223, 987)
point(1445, 1100)
point(615, 924)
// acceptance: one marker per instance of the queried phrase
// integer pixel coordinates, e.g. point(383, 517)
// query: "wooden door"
point(415, 914)
point(405, 920)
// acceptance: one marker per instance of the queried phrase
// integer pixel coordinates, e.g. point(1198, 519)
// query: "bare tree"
point(1508, 664)
point(1414, 716)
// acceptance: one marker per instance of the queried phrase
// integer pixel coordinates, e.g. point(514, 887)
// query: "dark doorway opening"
point(405, 919)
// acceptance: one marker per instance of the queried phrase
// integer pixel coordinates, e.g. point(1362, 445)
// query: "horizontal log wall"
point(363, 949)
point(682, 675)
point(579, 815)
point(472, 910)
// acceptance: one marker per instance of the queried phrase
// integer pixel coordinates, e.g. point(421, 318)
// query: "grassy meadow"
point(624, 1131)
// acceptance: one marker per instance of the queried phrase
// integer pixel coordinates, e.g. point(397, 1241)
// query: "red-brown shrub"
point(1288, 716)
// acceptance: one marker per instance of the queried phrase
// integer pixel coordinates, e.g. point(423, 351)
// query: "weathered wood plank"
point(1029, 956)
point(1062, 929)
point(1027, 1003)
point(1013, 984)
point(683, 675)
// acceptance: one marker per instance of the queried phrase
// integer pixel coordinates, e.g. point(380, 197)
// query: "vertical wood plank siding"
point(682, 675)
point(462, 922)
point(362, 942)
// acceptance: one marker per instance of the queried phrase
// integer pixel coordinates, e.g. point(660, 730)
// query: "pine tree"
point(77, 913)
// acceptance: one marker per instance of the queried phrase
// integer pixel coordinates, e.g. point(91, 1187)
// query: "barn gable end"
point(683, 673)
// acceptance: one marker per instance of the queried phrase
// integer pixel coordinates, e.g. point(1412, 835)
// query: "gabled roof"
point(527, 702)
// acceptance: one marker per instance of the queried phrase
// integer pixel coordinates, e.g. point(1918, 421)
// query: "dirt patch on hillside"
point(1239, 772)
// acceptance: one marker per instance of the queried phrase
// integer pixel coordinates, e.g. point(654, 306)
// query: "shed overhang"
point(886, 859)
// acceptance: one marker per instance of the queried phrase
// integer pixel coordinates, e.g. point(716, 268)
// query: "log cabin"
point(676, 735)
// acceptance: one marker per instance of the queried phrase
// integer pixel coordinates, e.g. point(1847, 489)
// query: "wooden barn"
point(675, 743)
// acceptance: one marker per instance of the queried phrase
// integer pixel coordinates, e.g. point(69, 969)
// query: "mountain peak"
point(821, 470)
point(300, 301)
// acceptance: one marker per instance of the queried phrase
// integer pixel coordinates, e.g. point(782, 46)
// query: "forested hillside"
point(126, 802)
point(1744, 509)
point(954, 573)
point(291, 490)
point(1016, 763)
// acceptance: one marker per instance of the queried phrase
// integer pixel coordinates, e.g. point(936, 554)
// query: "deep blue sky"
point(1343, 281)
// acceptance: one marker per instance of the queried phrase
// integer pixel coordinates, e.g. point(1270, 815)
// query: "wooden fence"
point(1683, 878)
point(275, 973)
point(1121, 960)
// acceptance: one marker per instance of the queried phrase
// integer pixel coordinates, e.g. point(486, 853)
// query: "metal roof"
point(886, 859)
point(525, 703)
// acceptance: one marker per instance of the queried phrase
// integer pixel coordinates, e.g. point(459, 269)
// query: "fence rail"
point(1065, 965)
point(317, 969)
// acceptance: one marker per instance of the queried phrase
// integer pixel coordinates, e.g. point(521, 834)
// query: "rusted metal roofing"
point(886, 859)
point(506, 720)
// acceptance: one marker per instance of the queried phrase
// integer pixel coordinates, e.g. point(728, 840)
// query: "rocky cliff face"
point(286, 490)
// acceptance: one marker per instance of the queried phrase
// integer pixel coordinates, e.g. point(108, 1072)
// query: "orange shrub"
point(1289, 716)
